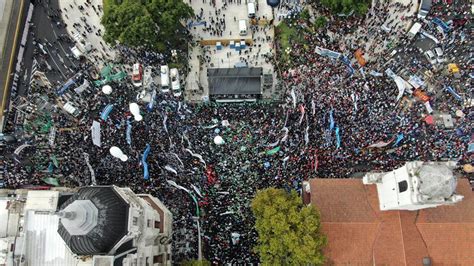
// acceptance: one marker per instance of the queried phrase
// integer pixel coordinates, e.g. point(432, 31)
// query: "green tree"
point(288, 231)
point(320, 22)
point(360, 7)
point(149, 23)
point(195, 263)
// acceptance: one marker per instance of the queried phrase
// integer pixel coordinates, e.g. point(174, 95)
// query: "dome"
point(107, 89)
point(437, 181)
point(273, 3)
point(99, 233)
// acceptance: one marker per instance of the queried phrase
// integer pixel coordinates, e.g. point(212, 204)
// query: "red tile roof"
point(360, 234)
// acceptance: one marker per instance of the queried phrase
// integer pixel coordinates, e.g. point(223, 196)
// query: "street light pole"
point(173, 183)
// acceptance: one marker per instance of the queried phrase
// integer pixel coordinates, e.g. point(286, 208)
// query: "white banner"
point(96, 133)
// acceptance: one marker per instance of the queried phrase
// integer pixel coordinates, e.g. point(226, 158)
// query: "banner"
point(302, 113)
point(273, 151)
point(146, 174)
point(91, 170)
point(375, 74)
point(454, 93)
point(285, 137)
point(381, 144)
point(164, 123)
point(52, 136)
point(21, 148)
point(54, 160)
point(400, 85)
point(306, 136)
point(428, 107)
point(106, 112)
point(331, 121)
point(293, 96)
point(171, 169)
point(196, 156)
point(95, 129)
point(129, 132)
point(51, 181)
point(338, 138)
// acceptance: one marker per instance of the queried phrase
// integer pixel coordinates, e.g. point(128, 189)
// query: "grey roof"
point(112, 222)
point(234, 80)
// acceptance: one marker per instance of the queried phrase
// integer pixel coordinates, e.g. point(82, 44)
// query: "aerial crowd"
point(334, 121)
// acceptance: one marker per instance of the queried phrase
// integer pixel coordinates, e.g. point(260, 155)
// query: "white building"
point(96, 226)
point(417, 185)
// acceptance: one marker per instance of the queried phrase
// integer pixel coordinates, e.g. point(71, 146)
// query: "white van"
point(251, 9)
point(165, 78)
point(76, 52)
point(242, 27)
point(175, 86)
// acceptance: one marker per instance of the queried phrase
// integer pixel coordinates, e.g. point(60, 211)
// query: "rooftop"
point(360, 234)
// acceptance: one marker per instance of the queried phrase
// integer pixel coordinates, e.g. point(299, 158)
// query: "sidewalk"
point(74, 15)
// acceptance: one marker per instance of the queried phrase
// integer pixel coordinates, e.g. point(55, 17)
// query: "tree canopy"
point(149, 23)
point(360, 7)
point(288, 231)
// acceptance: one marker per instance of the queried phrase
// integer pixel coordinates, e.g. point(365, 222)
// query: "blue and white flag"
point(400, 137)
point(338, 138)
point(146, 174)
point(106, 112)
point(454, 93)
point(331, 121)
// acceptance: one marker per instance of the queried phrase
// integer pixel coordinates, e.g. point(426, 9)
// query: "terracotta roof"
point(360, 234)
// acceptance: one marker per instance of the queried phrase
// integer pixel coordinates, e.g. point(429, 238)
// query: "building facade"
point(100, 225)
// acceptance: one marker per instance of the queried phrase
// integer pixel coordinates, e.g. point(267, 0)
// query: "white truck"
point(414, 30)
point(165, 78)
point(243, 27)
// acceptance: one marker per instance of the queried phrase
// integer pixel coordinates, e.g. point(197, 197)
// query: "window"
point(402, 186)
point(148, 223)
point(157, 224)
point(135, 221)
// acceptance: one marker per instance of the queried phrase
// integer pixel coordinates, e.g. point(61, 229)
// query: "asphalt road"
point(55, 59)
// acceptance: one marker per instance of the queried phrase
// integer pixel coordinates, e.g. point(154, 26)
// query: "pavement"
point(10, 30)
point(72, 14)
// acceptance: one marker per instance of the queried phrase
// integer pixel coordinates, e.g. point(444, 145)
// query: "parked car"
point(431, 57)
point(439, 55)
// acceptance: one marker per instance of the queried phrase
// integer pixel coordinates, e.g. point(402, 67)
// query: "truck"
point(242, 27)
point(414, 30)
point(424, 8)
point(165, 78)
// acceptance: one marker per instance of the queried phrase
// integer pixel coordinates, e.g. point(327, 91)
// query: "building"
point(416, 185)
point(360, 233)
point(96, 226)
point(240, 84)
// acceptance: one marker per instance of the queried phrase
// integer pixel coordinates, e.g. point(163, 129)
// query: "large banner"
point(95, 129)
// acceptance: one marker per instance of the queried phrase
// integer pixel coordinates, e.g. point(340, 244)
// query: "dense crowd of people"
point(325, 127)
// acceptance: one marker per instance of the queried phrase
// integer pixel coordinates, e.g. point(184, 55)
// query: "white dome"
point(437, 181)
point(107, 89)
point(218, 140)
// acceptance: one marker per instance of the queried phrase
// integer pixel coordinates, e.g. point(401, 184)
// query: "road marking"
point(51, 56)
point(5, 90)
point(62, 48)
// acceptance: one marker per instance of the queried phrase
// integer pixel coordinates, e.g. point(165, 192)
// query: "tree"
point(153, 24)
point(289, 232)
point(196, 263)
point(360, 7)
point(320, 22)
